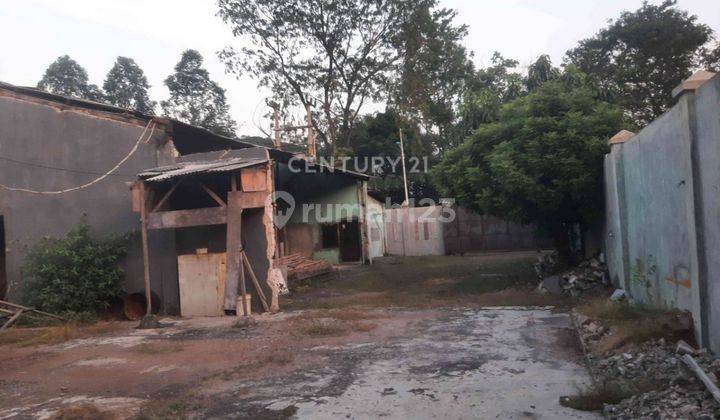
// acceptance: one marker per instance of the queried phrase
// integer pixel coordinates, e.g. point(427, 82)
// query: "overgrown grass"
point(594, 397)
point(637, 323)
point(55, 335)
point(420, 282)
point(321, 328)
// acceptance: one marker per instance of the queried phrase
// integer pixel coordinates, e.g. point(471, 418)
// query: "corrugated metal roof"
point(164, 173)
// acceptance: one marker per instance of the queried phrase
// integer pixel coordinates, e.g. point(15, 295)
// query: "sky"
point(155, 32)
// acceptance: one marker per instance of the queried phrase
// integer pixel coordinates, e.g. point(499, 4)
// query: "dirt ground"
point(407, 337)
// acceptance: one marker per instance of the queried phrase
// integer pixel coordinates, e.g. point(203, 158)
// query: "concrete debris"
point(672, 391)
point(546, 264)
point(589, 275)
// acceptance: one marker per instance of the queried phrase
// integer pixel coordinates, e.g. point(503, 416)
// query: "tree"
point(337, 53)
point(434, 70)
point(540, 72)
point(377, 135)
point(195, 99)
point(127, 87)
point(541, 162)
point(640, 58)
point(488, 89)
point(66, 77)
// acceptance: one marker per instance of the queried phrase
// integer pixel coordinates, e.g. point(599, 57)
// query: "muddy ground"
point(406, 338)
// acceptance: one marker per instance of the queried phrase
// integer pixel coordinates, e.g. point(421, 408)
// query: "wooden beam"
point(146, 253)
point(259, 289)
point(248, 200)
point(187, 218)
point(214, 196)
point(254, 179)
point(165, 197)
point(233, 248)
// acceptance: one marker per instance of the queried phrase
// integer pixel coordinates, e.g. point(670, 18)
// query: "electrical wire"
point(150, 124)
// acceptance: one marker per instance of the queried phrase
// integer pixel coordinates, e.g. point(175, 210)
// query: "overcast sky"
point(154, 33)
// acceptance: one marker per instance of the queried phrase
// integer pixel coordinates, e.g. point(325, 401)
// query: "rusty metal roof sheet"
point(164, 173)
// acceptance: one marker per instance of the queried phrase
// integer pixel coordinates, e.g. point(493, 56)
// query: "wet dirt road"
point(504, 363)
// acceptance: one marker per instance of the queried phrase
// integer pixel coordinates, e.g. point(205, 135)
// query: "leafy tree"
point(434, 69)
point(337, 53)
point(488, 89)
point(711, 58)
point(76, 275)
point(540, 72)
point(541, 162)
point(377, 135)
point(195, 99)
point(641, 57)
point(127, 87)
point(66, 77)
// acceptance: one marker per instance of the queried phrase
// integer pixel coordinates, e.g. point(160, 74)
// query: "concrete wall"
point(36, 138)
point(376, 228)
point(469, 231)
point(414, 231)
point(662, 231)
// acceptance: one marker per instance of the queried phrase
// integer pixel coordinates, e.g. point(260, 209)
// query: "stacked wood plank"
point(300, 267)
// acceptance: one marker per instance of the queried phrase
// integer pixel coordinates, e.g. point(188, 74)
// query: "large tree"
point(338, 54)
point(434, 71)
point(639, 58)
point(195, 98)
point(127, 87)
point(541, 162)
point(66, 77)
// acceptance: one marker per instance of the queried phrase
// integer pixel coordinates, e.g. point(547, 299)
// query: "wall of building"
point(662, 232)
point(319, 199)
point(414, 231)
point(468, 231)
point(375, 218)
point(38, 137)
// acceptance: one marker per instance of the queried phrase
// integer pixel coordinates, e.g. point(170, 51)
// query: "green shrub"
point(76, 275)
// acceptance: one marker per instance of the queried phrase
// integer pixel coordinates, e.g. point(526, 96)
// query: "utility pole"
point(312, 151)
point(276, 115)
point(402, 156)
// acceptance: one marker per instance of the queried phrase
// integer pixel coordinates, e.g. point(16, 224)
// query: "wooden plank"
point(254, 179)
point(146, 253)
point(233, 247)
point(253, 200)
point(186, 218)
point(12, 319)
point(165, 197)
point(136, 191)
point(214, 196)
point(259, 289)
point(201, 284)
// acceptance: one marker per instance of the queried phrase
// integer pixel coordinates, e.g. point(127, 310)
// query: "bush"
point(76, 275)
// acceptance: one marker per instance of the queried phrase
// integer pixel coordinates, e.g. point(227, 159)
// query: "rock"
point(618, 295)
point(149, 322)
point(553, 284)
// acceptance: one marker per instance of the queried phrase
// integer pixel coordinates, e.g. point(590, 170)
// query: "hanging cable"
point(151, 124)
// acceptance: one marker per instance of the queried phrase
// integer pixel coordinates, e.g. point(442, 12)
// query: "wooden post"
point(312, 151)
point(243, 289)
point(146, 254)
point(276, 114)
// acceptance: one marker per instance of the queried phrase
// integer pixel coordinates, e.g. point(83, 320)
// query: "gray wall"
point(414, 231)
point(50, 135)
point(663, 207)
point(469, 232)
